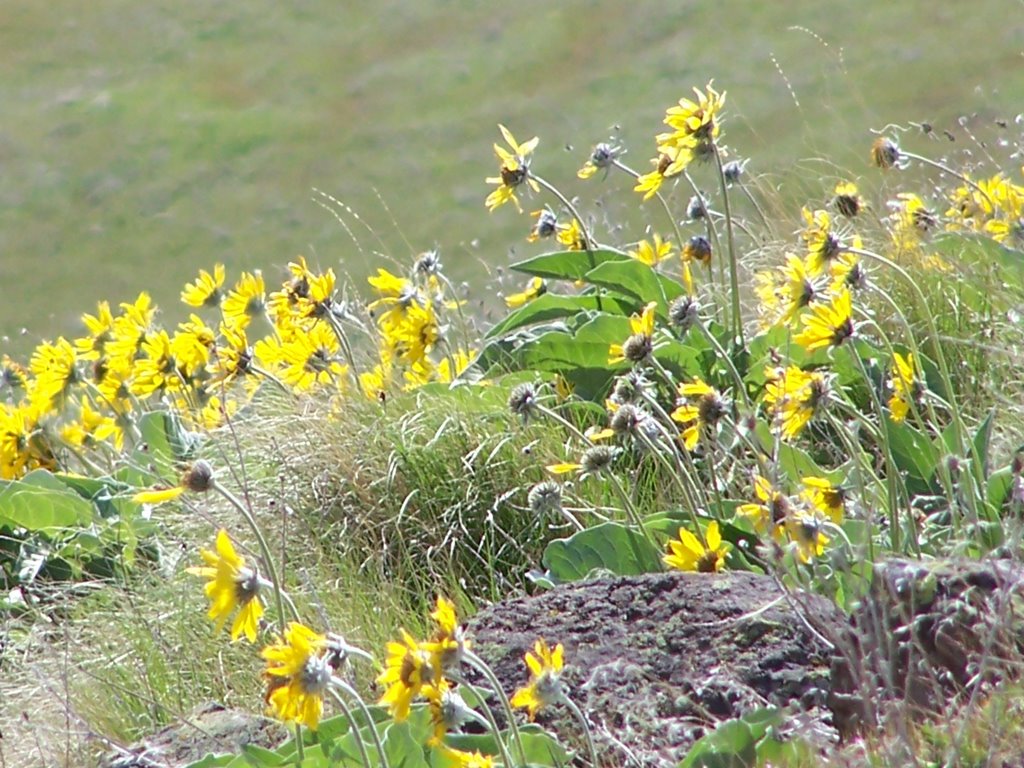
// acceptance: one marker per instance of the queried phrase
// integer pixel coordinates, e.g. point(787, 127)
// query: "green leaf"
point(41, 502)
point(212, 761)
point(981, 250)
point(552, 306)
point(610, 547)
point(912, 451)
point(260, 757)
point(734, 743)
point(638, 280)
point(568, 265)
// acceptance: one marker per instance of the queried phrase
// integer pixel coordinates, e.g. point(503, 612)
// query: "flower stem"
point(268, 558)
point(734, 280)
point(481, 666)
point(372, 726)
point(586, 729)
point(356, 735)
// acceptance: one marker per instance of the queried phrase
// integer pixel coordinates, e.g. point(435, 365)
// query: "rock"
point(656, 660)
point(208, 728)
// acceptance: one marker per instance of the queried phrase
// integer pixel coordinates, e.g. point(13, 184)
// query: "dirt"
point(656, 660)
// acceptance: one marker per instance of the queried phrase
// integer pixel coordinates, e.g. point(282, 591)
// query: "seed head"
point(698, 248)
point(597, 459)
point(695, 209)
point(637, 347)
point(199, 477)
point(429, 263)
point(885, 153)
point(734, 169)
point(683, 313)
point(545, 497)
point(629, 388)
point(626, 419)
point(523, 401)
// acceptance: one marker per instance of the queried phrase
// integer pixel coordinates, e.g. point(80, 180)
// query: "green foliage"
point(60, 526)
point(608, 548)
point(744, 742)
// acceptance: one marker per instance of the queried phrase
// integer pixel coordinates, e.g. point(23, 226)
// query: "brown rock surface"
point(656, 660)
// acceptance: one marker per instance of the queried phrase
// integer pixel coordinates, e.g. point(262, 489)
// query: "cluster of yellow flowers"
point(81, 397)
point(302, 665)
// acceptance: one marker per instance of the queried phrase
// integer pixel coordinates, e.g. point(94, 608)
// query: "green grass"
point(142, 142)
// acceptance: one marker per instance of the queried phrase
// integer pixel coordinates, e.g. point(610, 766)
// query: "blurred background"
point(140, 141)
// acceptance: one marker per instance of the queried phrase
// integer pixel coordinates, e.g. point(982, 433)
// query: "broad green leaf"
point(795, 463)
point(552, 306)
point(41, 502)
point(912, 451)
point(568, 265)
point(260, 757)
point(636, 279)
point(402, 748)
point(733, 744)
point(611, 547)
point(213, 761)
point(978, 249)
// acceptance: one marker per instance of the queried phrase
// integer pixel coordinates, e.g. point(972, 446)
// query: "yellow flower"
point(230, 586)
point(641, 340)
point(453, 365)
point(649, 183)
point(545, 687)
point(572, 236)
point(903, 384)
point(828, 325)
point(823, 245)
point(374, 383)
point(131, 329)
point(689, 554)
point(406, 671)
point(22, 447)
point(536, 287)
point(91, 427)
point(157, 372)
point(54, 366)
point(796, 397)
point(397, 295)
point(514, 170)
point(309, 358)
point(697, 118)
point(101, 331)
point(654, 253)
point(825, 497)
point(197, 478)
point(771, 508)
point(206, 290)
point(416, 333)
point(246, 300)
point(804, 530)
point(912, 221)
point(298, 675)
point(449, 643)
point(701, 412)
point(191, 346)
point(797, 290)
point(465, 759)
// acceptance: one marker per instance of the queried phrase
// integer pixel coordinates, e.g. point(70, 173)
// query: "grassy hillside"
point(141, 141)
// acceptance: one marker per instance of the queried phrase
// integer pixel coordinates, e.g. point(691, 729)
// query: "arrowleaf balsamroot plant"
point(776, 396)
